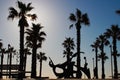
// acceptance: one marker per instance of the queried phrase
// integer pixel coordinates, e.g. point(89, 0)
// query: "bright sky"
point(53, 15)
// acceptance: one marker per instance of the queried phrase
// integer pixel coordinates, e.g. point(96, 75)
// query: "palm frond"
point(71, 26)
point(85, 19)
point(78, 14)
point(72, 17)
point(29, 7)
point(42, 33)
point(12, 13)
point(32, 16)
point(118, 11)
point(21, 6)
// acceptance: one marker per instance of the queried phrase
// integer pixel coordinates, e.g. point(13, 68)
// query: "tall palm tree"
point(22, 14)
point(41, 56)
point(69, 45)
point(34, 38)
point(103, 42)
point(78, 19)
point(114, 33)
point(95, 47)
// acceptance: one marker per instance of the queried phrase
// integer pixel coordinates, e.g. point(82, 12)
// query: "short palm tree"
point(41, 56)
point(26, 52)
point(114, 33)
point(69, 45)
point(1, 58)
point(103, 42)
point(34, 38)
point(95, 47)
point(2, 51)
point(22, 15)
point(10, 51)
point(78, 19)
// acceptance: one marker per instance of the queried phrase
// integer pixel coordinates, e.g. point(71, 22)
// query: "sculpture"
point(68, 70)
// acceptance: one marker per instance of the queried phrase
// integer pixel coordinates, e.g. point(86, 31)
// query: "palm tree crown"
point(69, 45)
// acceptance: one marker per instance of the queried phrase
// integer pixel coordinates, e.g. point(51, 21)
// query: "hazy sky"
point(53, 15)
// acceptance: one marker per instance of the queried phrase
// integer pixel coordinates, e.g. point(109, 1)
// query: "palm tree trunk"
point(33, 74)
point(103, 71)
point(79, 74)
point(25, 59)
point(1, 64)
point(10, 65)
point(40, 68)
point(102, 54)
point(115, 58)
point(96, 73)
point(21, 51)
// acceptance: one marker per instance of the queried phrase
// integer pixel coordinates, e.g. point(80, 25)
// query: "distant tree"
point(22, 15)
point(2, 51)
point(26, 52)
point(103, 42)
point(1, 44)
point(69, 45)
point(10, 51)
point(34, 38)
point(114, 33)
point(95, 47)
point(41, 57)
point(78, 19)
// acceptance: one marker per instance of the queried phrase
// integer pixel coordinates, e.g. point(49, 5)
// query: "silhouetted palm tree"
point(26, 52)
point(2, 51)
point(103, 42)
point(95, 47)
point(114, 33)
point(78, 18)
point(34, 39)
point(1, 58)
point(22, 15)
point(41, 56)
point(69, 45)
point(10, 51)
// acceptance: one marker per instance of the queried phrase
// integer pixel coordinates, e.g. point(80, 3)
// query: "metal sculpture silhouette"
point(68, 71)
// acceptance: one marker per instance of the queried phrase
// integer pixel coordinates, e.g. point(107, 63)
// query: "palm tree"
point(3, 50)
point(103, 42)
point(34, 38)
point(114, 33)
point(69, 45)
point(95, 47)
point(10, 51)
point(26, 52)
point(1, 58)
point(22, 15)
point(41, 56)
point(78, 20)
